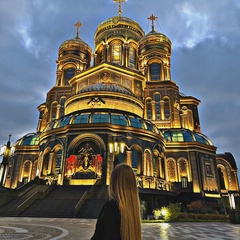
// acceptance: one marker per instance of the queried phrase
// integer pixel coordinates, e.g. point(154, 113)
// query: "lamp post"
point(5, 150)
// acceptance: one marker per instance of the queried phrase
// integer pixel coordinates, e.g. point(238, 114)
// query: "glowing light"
point(110, 147)
point(164, 212)
point(122, 147)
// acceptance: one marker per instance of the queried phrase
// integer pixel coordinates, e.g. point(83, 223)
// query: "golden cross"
point(78, 25)
point(119, 6)
point(152, 18)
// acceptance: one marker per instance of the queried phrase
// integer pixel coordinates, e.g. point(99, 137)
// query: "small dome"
point(74, 46)
point(118, 26)
point(156, 40)
point(96, 116)
point(185, 135)
point(111, 87)
point(30, 139)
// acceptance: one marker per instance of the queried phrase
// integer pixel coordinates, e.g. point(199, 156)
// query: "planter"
point(234, 216)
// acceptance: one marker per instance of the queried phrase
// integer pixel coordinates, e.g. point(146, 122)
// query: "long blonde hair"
point(123, 189)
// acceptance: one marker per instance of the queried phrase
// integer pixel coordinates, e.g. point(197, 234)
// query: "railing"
point(85, 196)
point(36, 195)
point(149, 182)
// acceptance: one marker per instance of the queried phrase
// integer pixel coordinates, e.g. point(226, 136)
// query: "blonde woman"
point(119, 218)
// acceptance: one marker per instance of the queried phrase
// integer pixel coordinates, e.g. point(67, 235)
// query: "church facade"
point(122, 108)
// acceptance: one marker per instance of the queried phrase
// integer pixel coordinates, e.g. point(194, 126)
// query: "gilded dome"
point(155, 40)
point(185, 135)
point(95, 116)
point(74, 46)
point(118, 26)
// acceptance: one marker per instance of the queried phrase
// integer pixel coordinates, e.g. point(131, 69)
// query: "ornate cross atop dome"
point(78, 25)
point(119, 6)
point(152, 18)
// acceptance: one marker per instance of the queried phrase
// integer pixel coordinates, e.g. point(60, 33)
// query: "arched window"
point(166, 108)
point(26, 171)
point(132, 57)
point(54, 110)
point(157, 106)
point(148, 163)
point(63, 100)
point(136, 160)
point(68, 74)
point(101, 55)
point(183, 171)
point(57, 162)
point(155, 71)
point(45, 170)
point(149, 109)
point(171, 170)
point(116, 54)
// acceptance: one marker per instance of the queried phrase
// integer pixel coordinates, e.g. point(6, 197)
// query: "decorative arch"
point(136, 159)
point(45, 161)
point(149, 112)
point(171, 170)
point(157, 99)
point(183, 169)
point(69, 70)
point(132, 56)
point(167, 110)
point(26, 171)
point(155, 69)
point(85, 157)
point(158, 161)
point(148, 163)
point(54, 110)
point(116, 52)
point(34, 169)
point(223, 179)
point(62, 103)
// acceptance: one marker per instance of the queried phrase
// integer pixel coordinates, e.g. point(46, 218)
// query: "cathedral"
point(118, 104)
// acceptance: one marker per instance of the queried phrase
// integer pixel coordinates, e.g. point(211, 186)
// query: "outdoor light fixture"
point(122, 147)
point(110, 147)
point(115, 147)
point(3, 150)
point(164, 212)
point(232, 201)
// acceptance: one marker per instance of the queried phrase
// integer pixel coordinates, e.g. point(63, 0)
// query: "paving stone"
point(82, 229)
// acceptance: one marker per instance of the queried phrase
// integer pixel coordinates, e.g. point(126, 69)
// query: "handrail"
point(36, 195)
point(85, 196)
point(27, 202)
point(80, 202)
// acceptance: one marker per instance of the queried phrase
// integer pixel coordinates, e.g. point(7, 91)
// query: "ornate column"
point(153, 110)
point(50, 163)
point(162, 110)
point(129, 157)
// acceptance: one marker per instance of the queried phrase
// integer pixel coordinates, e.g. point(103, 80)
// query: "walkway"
point(82, 229)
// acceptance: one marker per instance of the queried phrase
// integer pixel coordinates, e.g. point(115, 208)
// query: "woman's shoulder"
point(111, 204)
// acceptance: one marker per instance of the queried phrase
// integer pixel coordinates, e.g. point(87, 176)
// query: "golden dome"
point(155, 40)
point(118, 26)
point(74, 46)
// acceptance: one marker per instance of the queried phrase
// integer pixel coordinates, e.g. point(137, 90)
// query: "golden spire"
point(78, 25)
point(152, 18)
point(119, 6)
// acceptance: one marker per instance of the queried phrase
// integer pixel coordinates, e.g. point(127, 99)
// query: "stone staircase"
point(93, 205)
point(10, 208)
point(60, 203)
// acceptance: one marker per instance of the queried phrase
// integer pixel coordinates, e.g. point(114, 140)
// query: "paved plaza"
point(82, 229)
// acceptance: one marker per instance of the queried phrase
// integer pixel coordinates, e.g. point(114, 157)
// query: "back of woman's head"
point(122, 183)
point(123, 189)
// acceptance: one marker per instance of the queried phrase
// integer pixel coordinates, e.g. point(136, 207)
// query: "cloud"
point(206, 49)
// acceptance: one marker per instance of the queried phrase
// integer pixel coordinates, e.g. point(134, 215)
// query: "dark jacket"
point(108, 223)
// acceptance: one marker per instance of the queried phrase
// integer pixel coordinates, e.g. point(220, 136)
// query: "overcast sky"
point(205, 61)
